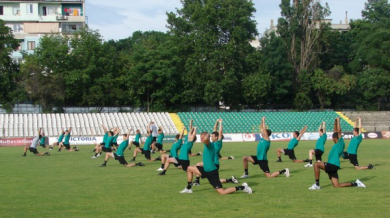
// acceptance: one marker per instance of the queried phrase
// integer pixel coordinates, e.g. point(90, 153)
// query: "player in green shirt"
point(261, 157)
point(42, 141)
point(183, 158)
point(333, 165)
point(210, 171)
point(166, 160)
point(147, 146)
point(60, 138)
point(216, 138)
point(319, 150)
point(137, 139)
point(159, 142)
point(107, 143)
point(353, 146)
point(98, 146)
point(291, 145)
point(119, 153)
point(66, 142)
point(186, 139)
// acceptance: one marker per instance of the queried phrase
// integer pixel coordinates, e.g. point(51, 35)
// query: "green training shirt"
point(208, 158)
point(122, 147)
point(185, 148)
point(262, 149)
point(293, 143)
point(335, 153)
point(137, 137)
point(108, 142)
point(354, 144)
point(175, 147)
point(320, 144)
point(160, 138)
point(42, 141)
point(218, 147)
point(148, 142)
point(61, 137)
point(115, 139)
point(66, 140)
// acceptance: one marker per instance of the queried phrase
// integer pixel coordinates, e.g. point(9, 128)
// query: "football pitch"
point(71, 184)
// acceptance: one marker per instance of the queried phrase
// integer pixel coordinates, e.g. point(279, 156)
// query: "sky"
point(118, 19)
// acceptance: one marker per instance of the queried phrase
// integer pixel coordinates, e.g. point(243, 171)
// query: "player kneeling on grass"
point(66, 143)
point(183, 159)
point(34, 144)
point(333, 165)
point(353, 146)
point(60, 138)
point(290, 148)
point(107, 143)
point(166, 160)
point(261, 156)
point(319, 150)
point(210, 171)
point(119, 153)
point(147, 146)
point(216, 138)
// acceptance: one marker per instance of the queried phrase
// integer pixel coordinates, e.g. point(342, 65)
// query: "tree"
point(256, 88)
point(300, 28)
point(10, 92)
point(213, 38)
point(375, 84)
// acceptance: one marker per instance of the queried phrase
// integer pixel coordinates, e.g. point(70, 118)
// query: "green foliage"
point(256, 88)
point(374, 83)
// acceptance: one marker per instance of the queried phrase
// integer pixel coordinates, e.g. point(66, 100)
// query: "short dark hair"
point(356, 130)
point(177, 136)
point(322, 130)
point(111, 132)
point(269, 132)
point(335, 135)
point(215, 133)
point(124, 135)
point(296, 132)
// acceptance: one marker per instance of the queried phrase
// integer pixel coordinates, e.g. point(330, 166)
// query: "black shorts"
point(107, 149)
point(290, 153)
point(146, 153)
point(331, 170)
point(115, 144)
point(213, 178)
point(67, 146)
point(159, 146)
point(102, 143)
point(318, 153)
point(184, 164)
point(57, 143)
point(217, 165)
point(201, 170)
point(177, 160)
point(121, 159)
point(352, 158)
point(33, 150)
point(43, 145)
point(135, 143)
point(154, 139)
point(263, 164)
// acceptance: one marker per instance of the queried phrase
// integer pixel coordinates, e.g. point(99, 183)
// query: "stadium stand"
point(27, 125)
point(372, 121)
point(248, 122)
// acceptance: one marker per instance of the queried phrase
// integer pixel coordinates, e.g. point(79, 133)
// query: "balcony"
point(61, 17)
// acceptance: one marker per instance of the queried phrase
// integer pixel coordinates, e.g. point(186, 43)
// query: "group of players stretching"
point(209, 167)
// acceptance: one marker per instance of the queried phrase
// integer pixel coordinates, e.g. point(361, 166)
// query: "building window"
point(30, 45)
point(1, 10)
point(16, 11)
point(18, 28)
point(30, 9)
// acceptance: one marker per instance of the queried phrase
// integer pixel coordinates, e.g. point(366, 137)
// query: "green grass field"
point(71, 184)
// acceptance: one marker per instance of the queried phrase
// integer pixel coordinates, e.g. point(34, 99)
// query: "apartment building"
point(31, 19)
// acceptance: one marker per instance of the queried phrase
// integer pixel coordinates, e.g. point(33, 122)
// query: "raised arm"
point(70, 129)
point(323, 127)
point(117, 131)
point(192, 134)
point(338, 126)
point(360, 125)
point(356, 122)
point(264, 129)
point(39, 131)
point(191, 121)
point(62, 130)
point(182, 133)
point(128, 133)
point(319, 128)
point(216, 126)
point(104, 128)
point(302, 132)
point(220, 130)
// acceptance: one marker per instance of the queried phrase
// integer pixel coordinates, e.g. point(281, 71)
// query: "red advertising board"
point(7, 142)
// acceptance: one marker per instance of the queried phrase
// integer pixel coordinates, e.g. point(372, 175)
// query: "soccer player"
point(353, 146)
point(320, 146)
point(147, 145)
point(60, 138)
point(166, 160)
point(210, 171)
point(34, 144)
point(216, 138)
point(107, 143)
point(42, 141)
point(66, 143)
point(183, 159)
point(291, 145)
point(100, 145)
point(186, 139)
point(115, 141)
point(333, 165)
point(137, 139)
point(159, 143)
point(153, 128)
point(119, 153)
point(261, 156)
